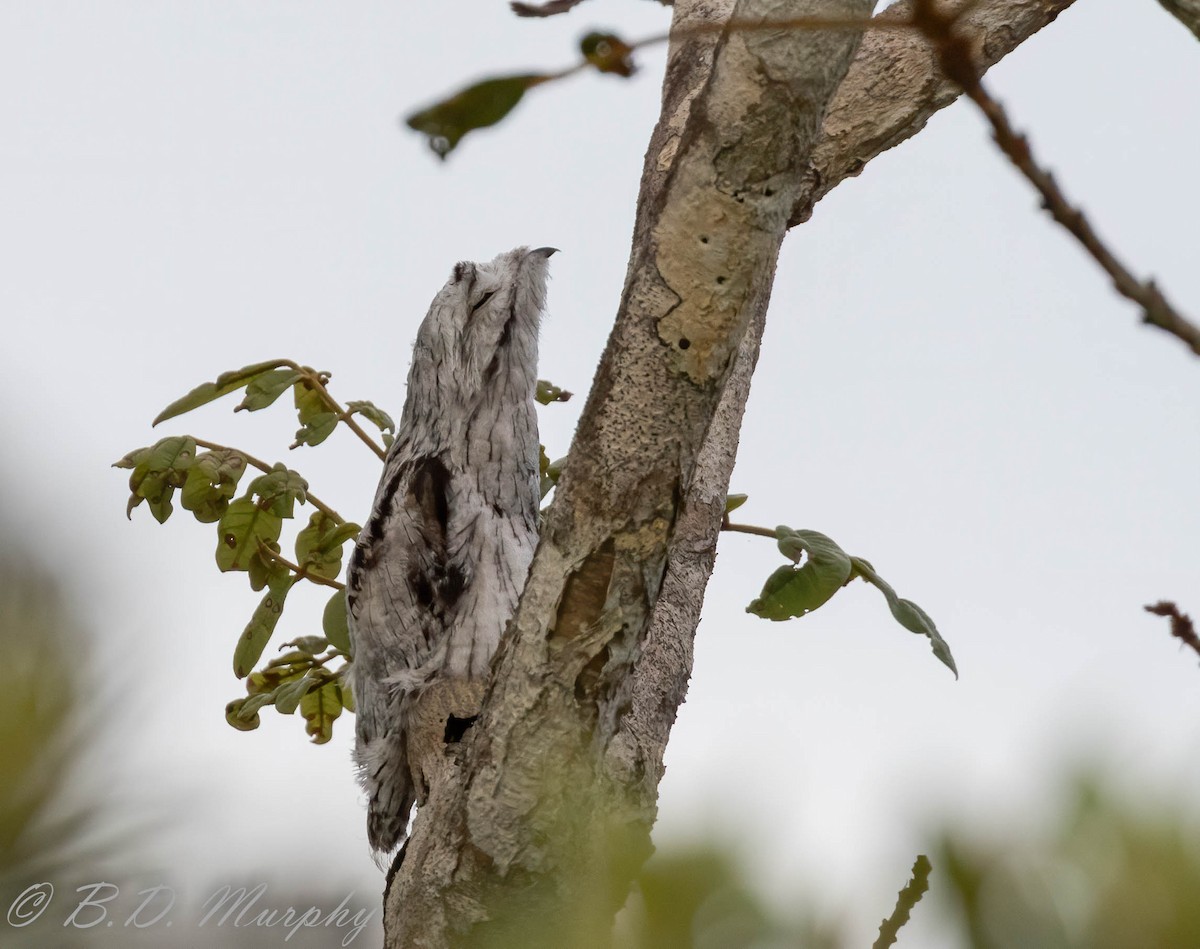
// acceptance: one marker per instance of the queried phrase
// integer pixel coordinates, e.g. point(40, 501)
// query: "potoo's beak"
point(544, 251)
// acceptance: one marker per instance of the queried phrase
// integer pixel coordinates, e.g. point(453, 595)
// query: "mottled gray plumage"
point(440, 563)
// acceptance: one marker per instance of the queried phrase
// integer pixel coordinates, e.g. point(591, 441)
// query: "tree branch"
point(894, 86)
point(263, 466)
point(908, 897)
point(641, 505)
point(867, 116)
point(890, 92)
point(1186, 12)
point(547, 824)
point(1181, 624)
point(954, 48)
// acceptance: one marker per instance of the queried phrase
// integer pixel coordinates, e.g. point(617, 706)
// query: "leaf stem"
point(264, 467)
point(300, 572)
point(314, 380)
point(727, 525)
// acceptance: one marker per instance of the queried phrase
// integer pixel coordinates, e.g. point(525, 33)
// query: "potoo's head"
point(479, 339)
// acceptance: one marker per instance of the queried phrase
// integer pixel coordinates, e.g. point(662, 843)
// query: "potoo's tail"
point(387, 779)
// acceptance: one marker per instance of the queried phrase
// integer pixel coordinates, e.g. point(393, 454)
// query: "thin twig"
point(726, 525)
point(314, 380)
point(955, 56)
point(908, 897)
point(814, 23)
point(1181, 624)
point(300, 572)
point(263, 466)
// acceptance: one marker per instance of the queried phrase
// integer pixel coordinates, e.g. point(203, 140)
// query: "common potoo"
point(440, 563)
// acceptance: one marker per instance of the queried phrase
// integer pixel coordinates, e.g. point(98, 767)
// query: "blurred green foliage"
point(45, 811)
point(63, 820)
point(700, 897)
point(1110, 873)
point(1113, 874)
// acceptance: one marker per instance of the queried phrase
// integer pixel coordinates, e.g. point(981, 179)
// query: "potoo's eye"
point(483, 299)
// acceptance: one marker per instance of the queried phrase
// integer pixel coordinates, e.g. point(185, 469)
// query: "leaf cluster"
point(249, 517)
point(298, 679)
point(249, 527)
point(818, 569)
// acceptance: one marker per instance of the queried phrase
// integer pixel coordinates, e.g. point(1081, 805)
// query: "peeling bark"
point(538, 841)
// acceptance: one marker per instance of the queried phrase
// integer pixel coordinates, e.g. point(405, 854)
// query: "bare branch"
point(1181, 624)
point(955, 51)
point(908, 897)
point(894, 86)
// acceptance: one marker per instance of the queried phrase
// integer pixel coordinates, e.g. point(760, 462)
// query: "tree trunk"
point(537, 842)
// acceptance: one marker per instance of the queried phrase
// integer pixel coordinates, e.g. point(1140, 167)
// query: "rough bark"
point(539, 840)
point(894, 87)
point(889, 93)
point(1186, 12)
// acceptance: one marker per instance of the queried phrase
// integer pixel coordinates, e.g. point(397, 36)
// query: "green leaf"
point(793, 591)
point(263, 390)
point(279, 490)
point(211, 482)
point(549, 471)
point(373, 414)
point(608, 53)
point(243, 526)
point(477, 106)
point(319, 545)
point(225, 383)
point(548, 392)
point(264, 569)
point(548, 8)
point(907, 613)
point(288, 695)
point(161, 508)
point(734, 501)
point(237, 715)
point(545, 484)
point(320, 707)
point(131, 460)
point(157, 472)
point(258, 631)
point(308, 645)
point(266, 681)
point(253, 703)
point(317, 421)
point(334, 623)
point(290, 664)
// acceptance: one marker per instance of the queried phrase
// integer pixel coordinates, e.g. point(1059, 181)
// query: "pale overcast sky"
point(948, 388)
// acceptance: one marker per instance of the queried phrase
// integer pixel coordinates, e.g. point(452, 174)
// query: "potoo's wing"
point(398, 583)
